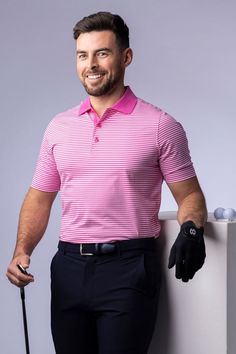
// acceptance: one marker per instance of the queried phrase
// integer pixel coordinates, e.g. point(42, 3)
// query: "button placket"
point(98, 122)
point(95, 137)
point(97, 126)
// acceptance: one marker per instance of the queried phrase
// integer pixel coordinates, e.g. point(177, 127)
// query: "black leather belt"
point(90, 249)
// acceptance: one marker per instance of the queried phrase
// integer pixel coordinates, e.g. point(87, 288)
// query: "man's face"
point(100, 62)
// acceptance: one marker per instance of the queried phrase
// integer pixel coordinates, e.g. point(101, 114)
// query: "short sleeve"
point(46, 177)
point(174, 156)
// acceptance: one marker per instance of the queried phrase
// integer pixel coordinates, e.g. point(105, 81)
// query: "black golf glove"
point(188, 251)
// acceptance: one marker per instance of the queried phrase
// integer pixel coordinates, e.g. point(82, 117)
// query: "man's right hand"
point(15, 276)
point(33, 220)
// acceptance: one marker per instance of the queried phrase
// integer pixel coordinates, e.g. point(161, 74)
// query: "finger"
point(179, 265)
point(23, 272)
point(185, 271)
point(17, 278)
point(191, 274)
point(15, 271)
point(199, 263)
point(17, 282)
point(179, 270)
point(25, 278)
point(189, 267)
point(185, 279)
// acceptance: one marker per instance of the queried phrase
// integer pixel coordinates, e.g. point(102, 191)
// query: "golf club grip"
point(22, 292)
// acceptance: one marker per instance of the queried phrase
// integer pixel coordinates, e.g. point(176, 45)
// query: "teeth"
point(94, 76)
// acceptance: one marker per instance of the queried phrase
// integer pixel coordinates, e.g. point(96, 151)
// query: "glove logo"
point(192, 232)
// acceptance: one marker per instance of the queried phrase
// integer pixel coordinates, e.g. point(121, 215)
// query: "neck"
point(101, 103)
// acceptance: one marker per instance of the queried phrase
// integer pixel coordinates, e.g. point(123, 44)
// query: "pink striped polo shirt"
point(110, 170)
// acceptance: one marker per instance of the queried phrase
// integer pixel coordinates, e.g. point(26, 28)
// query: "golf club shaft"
point(22, 293)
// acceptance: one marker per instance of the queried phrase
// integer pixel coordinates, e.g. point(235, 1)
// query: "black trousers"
point(104, 304)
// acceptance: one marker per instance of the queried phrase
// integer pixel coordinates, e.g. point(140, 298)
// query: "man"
point(108, 157)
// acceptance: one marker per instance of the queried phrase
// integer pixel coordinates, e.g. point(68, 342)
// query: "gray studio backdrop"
point(184, 62)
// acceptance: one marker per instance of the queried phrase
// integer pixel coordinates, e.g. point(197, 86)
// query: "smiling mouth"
point(94, 76)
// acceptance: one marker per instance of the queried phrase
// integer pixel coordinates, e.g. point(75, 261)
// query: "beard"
point(103, 88)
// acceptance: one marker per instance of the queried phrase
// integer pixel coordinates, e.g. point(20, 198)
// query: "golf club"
point(22, 295)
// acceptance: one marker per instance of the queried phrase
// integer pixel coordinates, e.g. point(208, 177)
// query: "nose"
point(92, 62)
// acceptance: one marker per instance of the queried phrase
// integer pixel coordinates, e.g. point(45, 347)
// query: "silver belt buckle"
point(84, 253)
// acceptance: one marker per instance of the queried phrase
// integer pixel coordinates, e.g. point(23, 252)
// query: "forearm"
point(193, 207)
point(33, 220)
point(188, 251)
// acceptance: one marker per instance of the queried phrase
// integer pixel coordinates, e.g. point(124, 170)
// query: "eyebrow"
point(105, 49)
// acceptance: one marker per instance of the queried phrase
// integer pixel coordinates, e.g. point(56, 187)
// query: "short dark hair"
point(103, 21)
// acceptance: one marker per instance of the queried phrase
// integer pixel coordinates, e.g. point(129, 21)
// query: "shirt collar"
point(125, 104)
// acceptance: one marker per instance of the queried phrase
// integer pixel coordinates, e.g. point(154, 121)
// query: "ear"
point(128, 56)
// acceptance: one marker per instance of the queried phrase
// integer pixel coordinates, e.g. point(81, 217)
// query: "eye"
point(81, 56)
point(102, 54)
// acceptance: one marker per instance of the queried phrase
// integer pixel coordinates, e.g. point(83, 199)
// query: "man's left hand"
point(188, 251)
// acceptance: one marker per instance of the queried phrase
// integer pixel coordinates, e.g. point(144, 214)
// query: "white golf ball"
point(218, 213)
point(229, 214)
